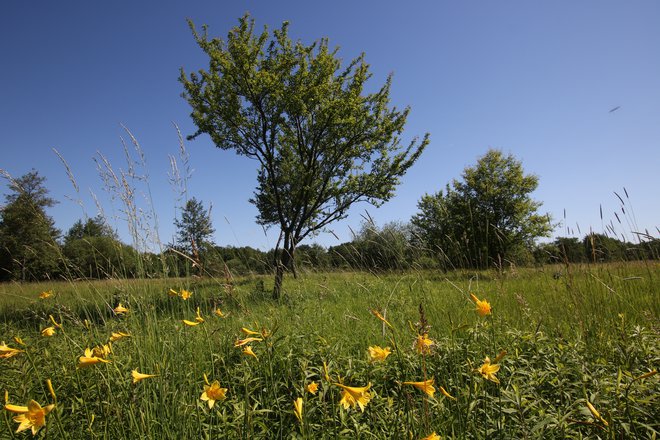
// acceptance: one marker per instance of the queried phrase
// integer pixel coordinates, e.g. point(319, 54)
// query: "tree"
point(486, 218)
point(28, 247)
point(321, 142)
point(93, 227)
point(194, 229)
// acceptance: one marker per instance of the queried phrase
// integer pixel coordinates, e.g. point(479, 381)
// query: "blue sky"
point(535, 79)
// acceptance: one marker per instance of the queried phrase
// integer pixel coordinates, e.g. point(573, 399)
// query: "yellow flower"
point(102, 351)
point(90, 359)
point(248, 351)
point(298, 408)
point(48, 331)
point(488, 370)
point(483, 306)
point(18, 340)
point(51, 390)
point(6, 352)
point(432, 436)
point(173, 292)
point(378, 354)
point(351, 396)
point(241, 342)
point(312, 388)
point(54, 322)
point(213, 392)
point(596, 414)
point(425, 386)
point(116, 336)
point(446, 394)
point(185, 294)
point(199, 318)
point(218, 312)
point(249, 332)
point(423, 344)
point(120, 309)
point(137, 376)
point(46, 294)
point(377, 314)
point(30, 416)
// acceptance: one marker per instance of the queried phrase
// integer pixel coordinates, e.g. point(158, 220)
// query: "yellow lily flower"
point(218, 313)
point(120, 309)
point(6, 352)
point(377, 314)
point(248, 352)
point(249, 332)
point(378, 354)
point(212, 393)
point(446, 394)
point(48, 331)
point(102, 351)
point(298, 408)
point(46, 294)
point(173, 292)
point(90, 359)
point(31, 416)
point(199, 318)
point(425, 386)
point(488, 370)
point(312, 388)
point(137, 376)
point(351, 396)
point(18, 340)
point(55, 322)
point(483, 306)
point(432, 436)
point(326, 372)
point(185, 294)
point(190, 323)
point(423, 344)
point(241, 342)
point(116, 336)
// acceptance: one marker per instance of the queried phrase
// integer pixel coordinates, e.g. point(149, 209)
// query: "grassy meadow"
point(575, 348)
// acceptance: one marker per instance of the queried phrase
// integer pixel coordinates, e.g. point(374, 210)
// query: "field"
point(576, 349)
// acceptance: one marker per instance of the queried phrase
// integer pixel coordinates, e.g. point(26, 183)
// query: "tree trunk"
point(283, 262)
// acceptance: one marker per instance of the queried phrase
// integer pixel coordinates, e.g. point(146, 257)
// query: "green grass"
point(572, 334)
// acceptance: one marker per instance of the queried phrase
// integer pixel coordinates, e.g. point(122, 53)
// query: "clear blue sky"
point(535, 79)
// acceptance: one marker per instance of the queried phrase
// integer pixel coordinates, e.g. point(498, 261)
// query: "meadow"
point(550, 352)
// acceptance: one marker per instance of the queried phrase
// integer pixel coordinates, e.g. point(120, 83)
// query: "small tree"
point(194, 229)
point(487, 217)
point(28, 247)
point(322, 143)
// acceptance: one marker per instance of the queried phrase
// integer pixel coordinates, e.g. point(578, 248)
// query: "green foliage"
point(28, 247)
point(93, 227)
point(322, 143)
point(486, 218)
point(194, 228)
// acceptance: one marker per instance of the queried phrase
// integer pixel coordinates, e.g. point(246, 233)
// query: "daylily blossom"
point(46, 294)
point(137, 376)
point(326, 372)
point(51, 390)
point(6, 352)
point(378, 354)
point(425, 386)
point(185, 294)
point(90, 359)
point(54, 322)
point(116, 336)
point(198, 319)
point(48, 331)
point(173, 292)
point(30, 416)
point(190, 323)
point(249, 332)
point(488, 370)
point(218, 312)
point(102, 351)
point(351, 396)
point(312, 388)
point(423, 344)
point(446, 394)
point(596, 414)
point(377, 314)
point(248, 351)
point(483, 306)
point(120, 309)
point(213, 392)
point(241, 342)
point(432, 436)
point(298, 408)
point(18, 340)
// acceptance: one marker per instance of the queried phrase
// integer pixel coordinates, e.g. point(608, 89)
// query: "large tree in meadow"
point(485, 218)
point(28, 247)
point(322, 142)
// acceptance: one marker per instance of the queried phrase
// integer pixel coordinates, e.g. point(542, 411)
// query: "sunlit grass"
point(575, 342)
